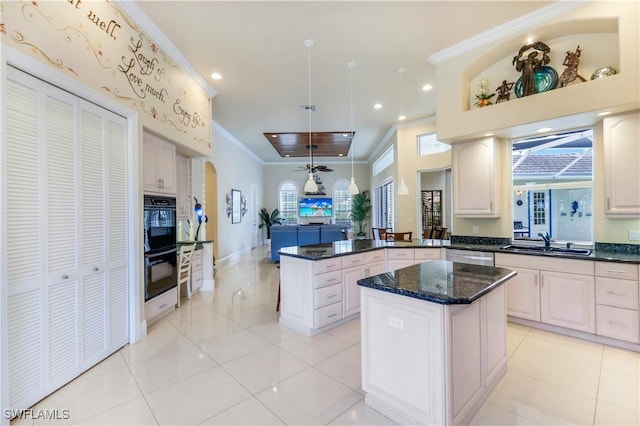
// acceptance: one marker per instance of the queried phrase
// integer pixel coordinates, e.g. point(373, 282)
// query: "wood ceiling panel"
point(296, 144)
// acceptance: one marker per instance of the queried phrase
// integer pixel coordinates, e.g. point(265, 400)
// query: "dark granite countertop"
point(347, 247)
point(439, 281)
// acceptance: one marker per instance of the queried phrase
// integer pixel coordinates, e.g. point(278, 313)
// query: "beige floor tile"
point(112, 363)
point(622, 361)
point(350, 331)
point(162, 337)
point(515, 335)
point(361, 414)
point(620, 390)
point(135, 412)
point(85, 398)
point(253, 316)
point(233, 346)
point(564, 346)
point(248, 412)
point(171, 367)
point(264, 368)
point(314, 349)
point(345, 367)
point(490, 415)
point(577, 374)
point(542, 402)
point(308, 398)
point(610, 415)
point(197, 398)
point(190, 313)
point(203, 330)
point(273, 331)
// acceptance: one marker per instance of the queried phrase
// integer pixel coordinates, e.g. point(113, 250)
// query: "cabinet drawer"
point(327, 315)
point(400, 254)
point(327, 295)
point(197, 255)
point(353, 260)
point(623, 271)
point(374, 256)
point(428, 254)
point(617, 323)
point(327, 265)
point(545, 263)
point(329, 278)
point(618, 293)
point(160, 304)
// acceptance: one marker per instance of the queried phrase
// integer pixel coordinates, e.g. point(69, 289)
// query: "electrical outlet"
point(634, 235)
point(475, 229)
point(395, 322)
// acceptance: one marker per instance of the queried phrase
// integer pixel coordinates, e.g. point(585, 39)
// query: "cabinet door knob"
point(96, 269)
point(65, 277)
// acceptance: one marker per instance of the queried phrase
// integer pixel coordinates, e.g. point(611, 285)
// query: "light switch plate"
point(395, 322)
point(634, 235)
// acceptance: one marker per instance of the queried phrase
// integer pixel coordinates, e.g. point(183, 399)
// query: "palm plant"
point(267, 220)
point(360, 207)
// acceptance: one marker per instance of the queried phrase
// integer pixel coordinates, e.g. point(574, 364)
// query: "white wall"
point(236, 168)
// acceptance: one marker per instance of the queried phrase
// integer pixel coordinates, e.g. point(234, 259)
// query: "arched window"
point(288, 202)
point(341, 203)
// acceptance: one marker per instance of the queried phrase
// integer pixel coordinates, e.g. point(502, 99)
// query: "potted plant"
point(267, 220)
point(360, 206)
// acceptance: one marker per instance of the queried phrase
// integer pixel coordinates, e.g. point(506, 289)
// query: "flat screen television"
point(315, 207)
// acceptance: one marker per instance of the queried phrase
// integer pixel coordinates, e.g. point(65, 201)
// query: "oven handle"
point(173, 250)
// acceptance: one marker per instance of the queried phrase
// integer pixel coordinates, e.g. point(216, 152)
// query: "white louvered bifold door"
point(66, 211)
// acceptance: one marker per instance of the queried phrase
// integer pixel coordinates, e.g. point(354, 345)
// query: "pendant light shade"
point(403, 189)
point(353, 188)
point(310, 185)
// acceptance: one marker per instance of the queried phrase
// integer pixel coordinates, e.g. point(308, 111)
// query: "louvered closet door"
point(66, 207)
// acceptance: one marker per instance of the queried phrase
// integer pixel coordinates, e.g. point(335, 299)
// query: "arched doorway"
point(211, 203)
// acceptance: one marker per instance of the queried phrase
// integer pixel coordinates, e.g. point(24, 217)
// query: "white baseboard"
point(227, 260)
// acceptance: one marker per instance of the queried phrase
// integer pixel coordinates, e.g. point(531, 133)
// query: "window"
point(383, 207)
point(429, 144)
point(288, 202)
point(552, 183)
point(341, 203)
point(384, 161)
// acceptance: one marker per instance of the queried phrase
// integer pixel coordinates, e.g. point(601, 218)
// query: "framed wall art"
point(236, 206)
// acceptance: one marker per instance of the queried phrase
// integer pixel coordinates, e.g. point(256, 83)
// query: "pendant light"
point(353, 188)
point(310, 186)
point(402, 188)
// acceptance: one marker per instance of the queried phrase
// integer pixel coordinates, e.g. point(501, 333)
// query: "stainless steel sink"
point(547, 250)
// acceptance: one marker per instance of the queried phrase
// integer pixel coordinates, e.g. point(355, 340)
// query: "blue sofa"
point(302, 235)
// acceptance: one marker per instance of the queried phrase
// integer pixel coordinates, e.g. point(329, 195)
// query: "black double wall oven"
point(160, 249)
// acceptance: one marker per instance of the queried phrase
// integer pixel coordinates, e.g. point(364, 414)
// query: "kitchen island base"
point(430, 363)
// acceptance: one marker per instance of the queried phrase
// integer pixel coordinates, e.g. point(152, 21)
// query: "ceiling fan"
point(312, 166)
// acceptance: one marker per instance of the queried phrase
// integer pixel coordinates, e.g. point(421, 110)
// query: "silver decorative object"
point(603, 72)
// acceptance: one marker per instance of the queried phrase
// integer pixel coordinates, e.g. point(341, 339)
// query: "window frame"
point(290, 214)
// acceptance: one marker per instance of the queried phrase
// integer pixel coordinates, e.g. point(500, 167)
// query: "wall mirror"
point(236, 205)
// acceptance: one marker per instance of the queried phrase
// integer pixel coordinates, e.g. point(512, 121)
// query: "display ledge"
point(440, 281)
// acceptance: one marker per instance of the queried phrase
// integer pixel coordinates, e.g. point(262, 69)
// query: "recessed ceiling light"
point(345, 135)
point(377, 106)
point(402, 117)
point(216, 76)
point(488, 134)
point(274, 136)
point(287, 155)
point(543, 129)
point(427, 87)
point(600, 114)
point(340, 155)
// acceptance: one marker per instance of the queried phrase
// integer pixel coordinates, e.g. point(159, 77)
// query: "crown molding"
point(215, 126)
point(506, 30)
point(152, 30)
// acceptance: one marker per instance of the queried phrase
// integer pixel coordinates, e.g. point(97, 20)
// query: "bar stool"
point(184, 269)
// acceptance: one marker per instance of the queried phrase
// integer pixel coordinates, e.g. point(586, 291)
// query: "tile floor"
point(223, 359)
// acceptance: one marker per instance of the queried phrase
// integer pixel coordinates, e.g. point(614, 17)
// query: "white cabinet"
point(617, 301)
point(351, 302)
point(196, 270)
point(159, 165)
point(398, 258)
point(621, 171)
point(67, 237)
point(551, 290)
point(568, 300)
point(183, 183)
point(475, 173)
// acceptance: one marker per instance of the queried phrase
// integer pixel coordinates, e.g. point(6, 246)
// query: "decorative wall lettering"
point(97, 44)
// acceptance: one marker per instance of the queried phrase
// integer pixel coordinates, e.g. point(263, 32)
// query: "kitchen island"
point(434, 340)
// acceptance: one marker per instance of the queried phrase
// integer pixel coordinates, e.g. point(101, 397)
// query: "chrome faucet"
point(545, 238)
